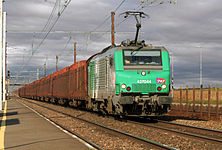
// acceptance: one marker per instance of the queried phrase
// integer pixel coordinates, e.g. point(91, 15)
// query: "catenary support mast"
point(74, 52)
point(112, 28)
point(1, 54)
point(4, 53)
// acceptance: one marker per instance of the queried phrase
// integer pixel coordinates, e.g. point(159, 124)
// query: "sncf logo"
point(160, 80)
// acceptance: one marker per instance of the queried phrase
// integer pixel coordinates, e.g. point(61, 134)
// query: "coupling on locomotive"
point(131, 79)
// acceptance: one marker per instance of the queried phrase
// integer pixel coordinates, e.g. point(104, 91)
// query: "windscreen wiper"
point(136, 49)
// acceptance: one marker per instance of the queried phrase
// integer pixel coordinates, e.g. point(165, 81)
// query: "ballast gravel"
point(109, 140)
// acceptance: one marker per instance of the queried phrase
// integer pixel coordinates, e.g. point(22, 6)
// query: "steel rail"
point(159, 145)
point(189, 126)
point(202, 137)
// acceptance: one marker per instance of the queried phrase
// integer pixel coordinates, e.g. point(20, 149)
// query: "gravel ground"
point(112, 141)
point(205, 124)
point(107, 140)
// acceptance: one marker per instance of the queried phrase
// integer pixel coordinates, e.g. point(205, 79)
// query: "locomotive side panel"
point(101, 76)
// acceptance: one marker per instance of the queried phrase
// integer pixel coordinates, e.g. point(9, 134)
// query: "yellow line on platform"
point(2, 129)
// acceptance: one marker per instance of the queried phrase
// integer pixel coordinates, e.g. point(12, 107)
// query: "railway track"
point(205, 134)
point(150, 143)
point(66, 130)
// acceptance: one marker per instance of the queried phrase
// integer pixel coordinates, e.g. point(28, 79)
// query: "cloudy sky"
point(184, 28)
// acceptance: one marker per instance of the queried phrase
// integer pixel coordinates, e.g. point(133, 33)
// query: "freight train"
point(126, 80)
point(131, 79)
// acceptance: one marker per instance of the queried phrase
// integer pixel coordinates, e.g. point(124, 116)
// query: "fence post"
point(217, 102)
point(187, 100)
point(209, 96)
point(181, 98)
point(201, 101)
point(194, 98)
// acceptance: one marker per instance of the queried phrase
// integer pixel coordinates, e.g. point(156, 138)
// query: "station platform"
point(22, 129)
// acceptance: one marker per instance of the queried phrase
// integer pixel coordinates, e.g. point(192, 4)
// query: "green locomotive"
point(130, 80)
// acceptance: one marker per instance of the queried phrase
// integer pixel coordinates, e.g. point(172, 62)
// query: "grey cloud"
point(180, 28)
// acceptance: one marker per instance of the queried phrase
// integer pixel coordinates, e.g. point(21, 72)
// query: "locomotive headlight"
point(143, 73)
point(163, 86)
point(123, 86)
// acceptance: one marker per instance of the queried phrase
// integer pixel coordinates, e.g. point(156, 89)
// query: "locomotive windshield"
point(142, 57)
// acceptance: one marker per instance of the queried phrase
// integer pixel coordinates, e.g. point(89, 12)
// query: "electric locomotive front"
point(130, 80)
point(142, 86)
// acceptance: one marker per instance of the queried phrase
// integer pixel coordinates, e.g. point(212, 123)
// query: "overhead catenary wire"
point(65, 6)
point(50, 16)
point(107, 18)
point(67, 43)
point(59, 15)
point(101, 24)
point(140, 7)
point(50, 29)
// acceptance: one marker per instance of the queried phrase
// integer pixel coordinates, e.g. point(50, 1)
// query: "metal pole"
point(187, 107)
point(33, 38)
point(181, 95)
point(8, 83)
point(87, 41)
point(7, 80)
point(59, 7)
point(217, 102)
point(194, 96)
point(201, 101)
point(209, 98)
point(0, 54)
point(74, 52)
point(37, 74)
point(172, 75)
point(4, 50)
point(44, 69)
point(201, 66)
point(201, 85)
point(112, 28)
point(57, 62)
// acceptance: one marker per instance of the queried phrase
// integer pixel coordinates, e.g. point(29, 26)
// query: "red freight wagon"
point(28, 90)
point(21, 92)
point(45, 87)
point(60, 83)
point(32, 90)
point(38, 87)
point(78, 81)
point(67, 84)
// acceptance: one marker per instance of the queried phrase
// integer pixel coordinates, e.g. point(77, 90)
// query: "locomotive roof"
point(111, 49)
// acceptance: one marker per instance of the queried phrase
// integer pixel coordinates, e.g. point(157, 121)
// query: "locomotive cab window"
point(142, 57)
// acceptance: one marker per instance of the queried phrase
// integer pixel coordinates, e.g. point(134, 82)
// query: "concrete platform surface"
point(25, 130)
